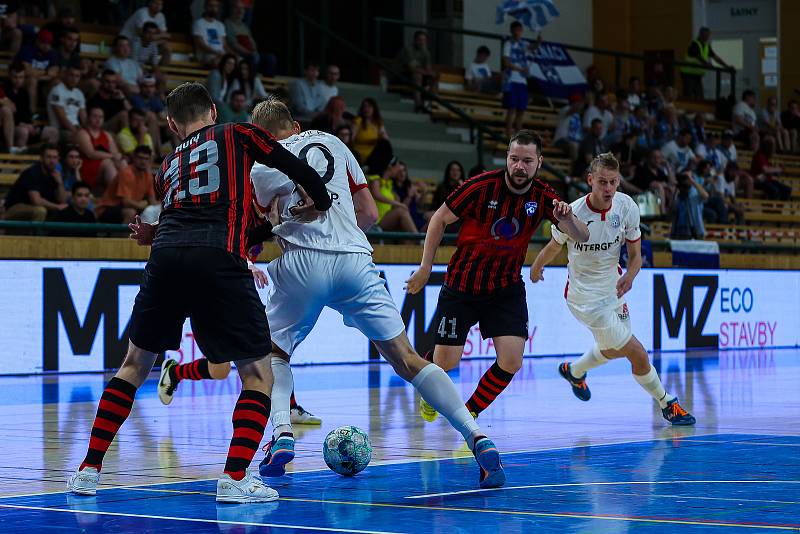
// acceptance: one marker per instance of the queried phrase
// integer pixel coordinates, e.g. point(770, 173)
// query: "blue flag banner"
point(533, 14)
point(554, 71)
point(695, 254)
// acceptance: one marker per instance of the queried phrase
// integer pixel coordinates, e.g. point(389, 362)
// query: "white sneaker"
point(84, 482)
point(299, 416)
point(166, 388)
point(249, 489)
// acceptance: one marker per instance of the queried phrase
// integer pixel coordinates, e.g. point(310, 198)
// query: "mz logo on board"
point(684, 309)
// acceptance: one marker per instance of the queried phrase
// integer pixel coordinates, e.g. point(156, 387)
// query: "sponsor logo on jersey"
point(506, 228)
point(596, 247)
point(530, 208)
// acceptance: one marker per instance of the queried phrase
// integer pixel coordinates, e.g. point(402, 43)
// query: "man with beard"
point(500, 210)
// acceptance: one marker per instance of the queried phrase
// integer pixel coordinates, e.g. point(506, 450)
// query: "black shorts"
point(212, 287)
point(504, 313)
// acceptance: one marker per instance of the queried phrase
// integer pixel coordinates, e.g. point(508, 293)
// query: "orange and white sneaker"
point(675, 414)
point(579, 387)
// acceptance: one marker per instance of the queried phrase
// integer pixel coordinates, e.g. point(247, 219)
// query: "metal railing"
point(93, 229)
point(618, 56)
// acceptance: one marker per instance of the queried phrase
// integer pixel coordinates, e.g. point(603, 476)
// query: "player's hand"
point(418, 280)
point(561, 210)
point(624, 285)
point(304, 210)
point(537, 274)
point(259, 276)
point(142, 232)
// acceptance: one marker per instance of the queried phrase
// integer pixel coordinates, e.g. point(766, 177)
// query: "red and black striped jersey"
point(497, 225)
point(205, 186)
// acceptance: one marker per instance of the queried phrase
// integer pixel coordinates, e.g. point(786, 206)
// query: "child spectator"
point(78, 210)
point(478, 77)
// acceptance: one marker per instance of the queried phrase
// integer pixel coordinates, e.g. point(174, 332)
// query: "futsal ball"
point(347, 450)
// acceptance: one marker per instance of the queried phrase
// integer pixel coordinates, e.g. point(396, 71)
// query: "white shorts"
point(304, 281)
point(608, 320)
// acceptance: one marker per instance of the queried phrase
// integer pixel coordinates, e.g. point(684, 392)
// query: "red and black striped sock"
point(292, 401)
point(195, 370)
point(249, 419)
point(115, 406)
point(491, 384)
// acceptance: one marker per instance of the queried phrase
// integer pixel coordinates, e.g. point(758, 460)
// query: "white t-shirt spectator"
point(516, 52)
point(306, 98)
point(212, 33)
point(676, 156)
point(72, 100)
point(592, 113)
point(634, 100)
point(326, 92)
point(128, 69)
point(133, 26)
point(744, 111)
point(728, 154)
point(478, 71)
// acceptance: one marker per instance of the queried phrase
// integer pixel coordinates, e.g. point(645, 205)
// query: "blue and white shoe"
point(675, 414)
point(488, 458)
point(280, 452)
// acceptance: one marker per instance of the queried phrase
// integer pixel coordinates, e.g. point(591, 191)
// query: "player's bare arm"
point(366, 209)
point(625, 281)
point(569, 223)
point(545, 256)
point(433, 238)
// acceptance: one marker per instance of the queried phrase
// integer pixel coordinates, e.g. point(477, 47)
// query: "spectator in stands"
point(102, 159)
point(668, 126)
point(345, 135)
point(110, 98)
point(766, 173)
point(745, 183)
point(78, 209)
point(629, 155)
point(66, 105)
point(135, 134)
point(515, 78)
point(654, 100)
point(248, 82)
point(22, 129)
point(67, 54)
point(478, 76)
point(700, 54)
point(769, 123)
point(698, 129)
point(393, 215)
point(569, 132)
point(306, 94)
point(134, 29)
point(131, 192)
point(10, 33)
point(415, 62)
point(144, 47)
point(600, 109)
point(653, 174)
point(40, 65)
point(623, 121)
point(745, 127)
point(635, 95)
point(791, 121)
point(39, 190)
point(328, 88)
point(687, 209)
point(709, 151)
point(678, 153)
point(89, 83)
point(715, 210)
point(129, 70)
point(368, 129)
point(594, 81)
point(220, 80)
point(727, 187)
point(409, 194)
point(62, 24)
point(149, 101)
point(332, 117)
point(70, 168)
point(209, 36)
point(591, 146)
point(453, 177)
point(644, 125)
point(240, 39)
point(236, 111)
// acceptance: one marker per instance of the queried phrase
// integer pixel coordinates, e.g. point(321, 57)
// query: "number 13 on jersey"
point(205, 173)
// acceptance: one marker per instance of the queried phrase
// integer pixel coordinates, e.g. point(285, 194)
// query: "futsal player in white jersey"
point(327, 261)
point(596, 285)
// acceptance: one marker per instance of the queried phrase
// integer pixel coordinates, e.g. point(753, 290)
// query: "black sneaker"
point(579, 387)
point(675, 414)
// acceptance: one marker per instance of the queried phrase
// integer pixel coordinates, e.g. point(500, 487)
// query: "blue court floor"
point(610, 465)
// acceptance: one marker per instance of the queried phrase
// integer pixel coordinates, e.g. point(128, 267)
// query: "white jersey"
point(594, 265)
point(335, 230)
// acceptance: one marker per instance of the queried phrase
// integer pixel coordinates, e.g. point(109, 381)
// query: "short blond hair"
point(606, 160)
point(272, 115)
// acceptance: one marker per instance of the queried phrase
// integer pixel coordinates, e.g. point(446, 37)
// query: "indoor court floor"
point(609, 465)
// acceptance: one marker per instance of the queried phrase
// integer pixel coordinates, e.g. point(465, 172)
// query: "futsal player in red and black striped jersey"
point(499, 212)
point(197, 268)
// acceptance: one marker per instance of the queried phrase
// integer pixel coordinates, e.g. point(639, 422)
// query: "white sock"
point(439, 391)
point(591, 358)
point(281, 392)
point(651, 383)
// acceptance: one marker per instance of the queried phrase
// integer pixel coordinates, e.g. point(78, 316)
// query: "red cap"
point(45, 36)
